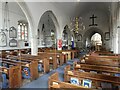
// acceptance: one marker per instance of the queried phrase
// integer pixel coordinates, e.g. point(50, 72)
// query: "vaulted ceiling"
point(72, 8)
point(82, 8)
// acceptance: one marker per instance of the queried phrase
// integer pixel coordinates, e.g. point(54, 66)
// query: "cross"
point(93, 20)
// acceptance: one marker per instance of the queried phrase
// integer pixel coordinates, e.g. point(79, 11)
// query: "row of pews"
point(94, 71)
point(18, 67)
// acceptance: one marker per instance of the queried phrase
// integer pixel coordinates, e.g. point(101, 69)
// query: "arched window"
point(22, 31)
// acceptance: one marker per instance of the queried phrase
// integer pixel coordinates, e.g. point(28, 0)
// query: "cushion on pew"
point(117, 74)
point(40, 68)
point(5, 65)
point(26, 73)
point(4, 81)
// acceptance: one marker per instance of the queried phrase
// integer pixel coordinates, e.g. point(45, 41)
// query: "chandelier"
point(76, 25)
point(6, 20)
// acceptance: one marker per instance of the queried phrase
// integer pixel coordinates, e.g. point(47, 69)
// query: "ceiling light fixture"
point(6, 20)
point(76, 25)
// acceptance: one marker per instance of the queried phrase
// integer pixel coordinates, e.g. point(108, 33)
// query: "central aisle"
point(42, 81)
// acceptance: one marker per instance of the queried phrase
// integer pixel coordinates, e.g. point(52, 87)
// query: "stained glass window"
point(22, 31)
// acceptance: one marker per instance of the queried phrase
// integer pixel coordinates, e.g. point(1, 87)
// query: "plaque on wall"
point(13, 43)
point(79, 37)
point(107, 35)
point(13, 32)
point(3, 39)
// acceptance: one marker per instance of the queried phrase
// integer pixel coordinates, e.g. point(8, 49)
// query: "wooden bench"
point(92, 76)
point(97, 68)
point(14, 75)
point(40, 59)
point(71, 54)
point(25, 64)
point(101, 61)
point(103, 53)
point(52, 57)
point(54, 83)
point(104, 57)
point(62, 57)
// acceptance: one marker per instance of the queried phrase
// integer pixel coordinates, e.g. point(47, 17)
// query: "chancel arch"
point(47, 27)
point(87, 38)
point(96, 41)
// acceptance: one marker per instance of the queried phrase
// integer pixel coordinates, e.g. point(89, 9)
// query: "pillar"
point(34, 46)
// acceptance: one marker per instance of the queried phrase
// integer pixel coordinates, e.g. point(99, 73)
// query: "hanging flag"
point(59, 44)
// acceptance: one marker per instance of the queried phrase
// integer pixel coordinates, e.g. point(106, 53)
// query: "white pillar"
point(58, 40)
point(116, 43)
point(69, 42)
point(34, 45)
point(119, 41)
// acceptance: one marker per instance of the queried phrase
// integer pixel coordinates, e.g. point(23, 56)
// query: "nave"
point(63, 45)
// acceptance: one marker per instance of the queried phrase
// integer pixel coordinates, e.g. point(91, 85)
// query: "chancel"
point(65, 45)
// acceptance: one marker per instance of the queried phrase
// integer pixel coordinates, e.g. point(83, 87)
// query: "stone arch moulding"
point(31, 23)
point(28, 15)
point(92, 31)
point(54, 19)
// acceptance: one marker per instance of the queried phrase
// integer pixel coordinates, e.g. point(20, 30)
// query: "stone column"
point(34, 45)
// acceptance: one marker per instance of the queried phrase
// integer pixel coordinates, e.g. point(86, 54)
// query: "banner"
point(72, 44)
point(59, 44)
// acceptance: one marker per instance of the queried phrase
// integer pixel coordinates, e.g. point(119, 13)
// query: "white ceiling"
point(81, 8)
point(70, 8)
point(14, 8)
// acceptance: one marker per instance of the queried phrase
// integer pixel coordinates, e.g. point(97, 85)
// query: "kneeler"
point(40, 68)
point(26, 73)
point(4, 81)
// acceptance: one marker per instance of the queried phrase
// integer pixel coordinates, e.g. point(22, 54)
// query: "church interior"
point(60, 44)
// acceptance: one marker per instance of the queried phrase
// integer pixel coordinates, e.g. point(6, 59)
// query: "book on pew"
point(74, 81)
point(105, 73)
point(81, 70)
point(93, 72)
point(87, 83)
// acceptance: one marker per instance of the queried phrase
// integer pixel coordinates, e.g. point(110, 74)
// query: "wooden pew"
point(14, 75)
point(104, 57)
point(103, 53)
point(92, 76)
point(60, 56)
point(97, 68)
point(54, 83)
point(52, 58)
point(71, 54)
point(23, 63)
point(41, 60)
point(101, 61)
